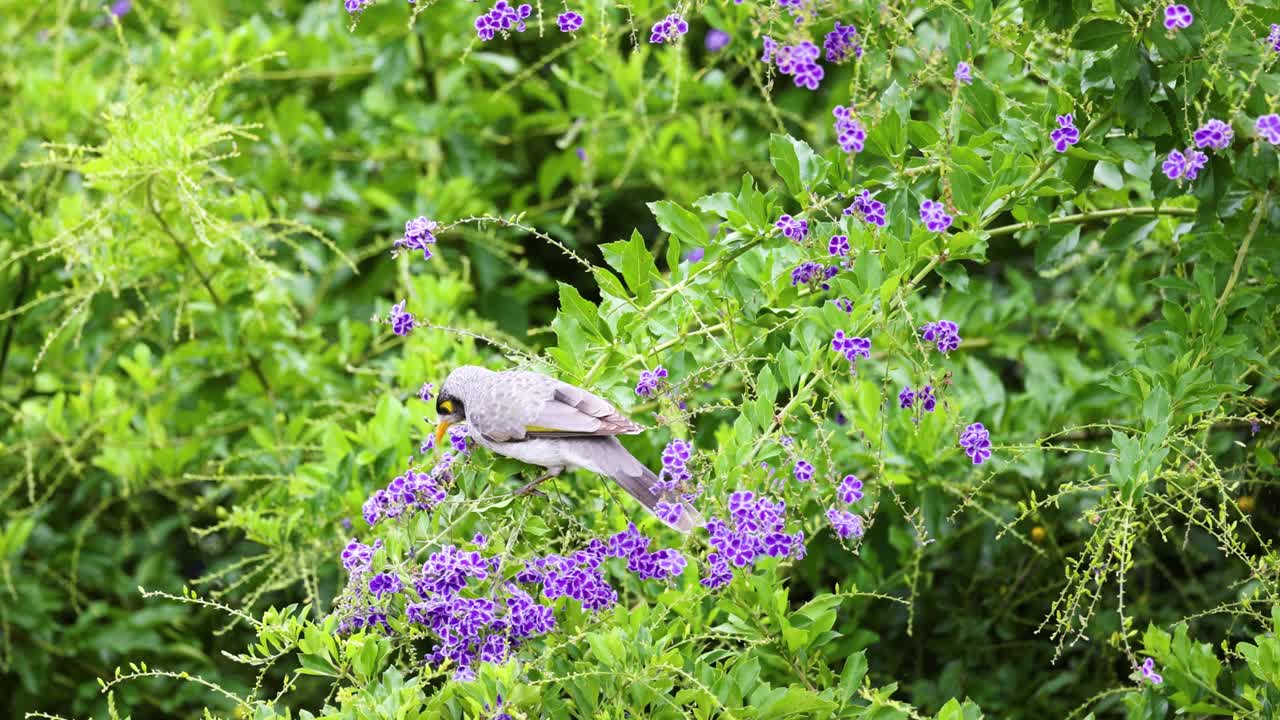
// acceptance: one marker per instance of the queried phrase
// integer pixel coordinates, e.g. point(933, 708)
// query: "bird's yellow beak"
point(441, 429)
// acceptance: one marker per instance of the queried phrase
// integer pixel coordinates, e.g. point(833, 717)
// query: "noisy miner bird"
point(543, 421)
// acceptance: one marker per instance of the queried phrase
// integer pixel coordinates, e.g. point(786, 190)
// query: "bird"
point(542, 421)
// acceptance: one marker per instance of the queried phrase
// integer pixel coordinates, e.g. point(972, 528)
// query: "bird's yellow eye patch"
point(446, 405)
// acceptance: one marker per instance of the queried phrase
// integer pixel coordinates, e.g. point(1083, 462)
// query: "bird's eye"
point(445, 406)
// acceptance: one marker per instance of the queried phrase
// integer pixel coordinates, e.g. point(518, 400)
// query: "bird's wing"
point(573, 412)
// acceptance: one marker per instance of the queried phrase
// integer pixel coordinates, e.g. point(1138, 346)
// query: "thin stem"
point(17, 302)
point(1244, 250)
point(1093, 215)
point(204, 280)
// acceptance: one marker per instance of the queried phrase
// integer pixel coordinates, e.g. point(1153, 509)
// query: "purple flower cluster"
point(868, 208)
point(502, 17)
point(803, 471)
point(426, 392)
point(925, 397)
point(976, 442)
point(1185, 164)
point(471, 628)
point(1149, 671)
point(569, 21)
point(1066, 133)
point(800, 61)
point(668, 29)
point(811, 272)
point(934, 216)
point(410, 492)
point(1214, 134)
point(838, 246)
point(1268, 126)
point(419, 234)
point(675, 459)
point(944, 334)
point(850, 133)
point(844, 304)
point(845, 523)
point(402, 322)
point(964, 74)
point(851, 347)
point(385, 584)
point(580, 576)
point(754, 530)
point(842, 44)
point(651, 381)
point(357, 557)
point(850, 490)
point(793, 227)
point(1177, 17)
point(1273, 39)
point(355, 6)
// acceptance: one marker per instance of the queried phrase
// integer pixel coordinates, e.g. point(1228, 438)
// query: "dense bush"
point(958, 330)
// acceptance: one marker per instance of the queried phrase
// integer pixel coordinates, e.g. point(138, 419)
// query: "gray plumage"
point(542, 421)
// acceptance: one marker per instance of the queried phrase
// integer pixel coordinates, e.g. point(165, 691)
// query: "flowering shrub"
point(245, 245)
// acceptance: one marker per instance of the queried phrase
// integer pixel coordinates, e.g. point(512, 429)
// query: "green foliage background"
point(196, 210)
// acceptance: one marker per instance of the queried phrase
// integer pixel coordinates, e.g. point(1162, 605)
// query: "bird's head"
point(451, 401)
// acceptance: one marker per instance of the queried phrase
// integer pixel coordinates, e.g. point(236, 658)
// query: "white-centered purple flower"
point(976, 442)
point(866, 207)
point(851, 134)
point(1177, 17)
point(1214, 134)
point(934, 216)
point(964, 73)
point(568, 21)
point(1066, 134)
point(668, 29)
point(1268, 127)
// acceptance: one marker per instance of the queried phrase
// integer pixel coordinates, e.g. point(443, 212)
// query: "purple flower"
point(850, 490)
point(651, 381)
point(934, 216)
point(668, 513)
point(1273, 39)
point(355, 6)
point(1215, 134)
point(927, 401)
point(569, 21)
point(480, 540)
point(1066, 134)
point(906, 398)
point(754, 529)
point(402, 323)
point(845, 523)
point(811, 272)
point(841, 44)
point(844, 304)
point(384, 584)
point(964, 74)
point(800, 62)
point(868, 208)
point(1186, 164)
point(1149, 671)
point(770, 48)
point(358, 557)
point(120, 8)
point(944, 334)
point(1177, 17)
point(716, 40)
point(838, 246)
point(794, 228)
point(668, 29)
point(803, 471)
point(850, 133)
point(695, 255)
point(851, 347)
point(502, 17)
point(425, 393)
point(976, 442)
point(1268, 126)
point(419, 234)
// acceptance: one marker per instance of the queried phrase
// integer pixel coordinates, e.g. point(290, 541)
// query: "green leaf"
point(1099, 35)
point(582, 310)
point(796, 162)
point(680, 223)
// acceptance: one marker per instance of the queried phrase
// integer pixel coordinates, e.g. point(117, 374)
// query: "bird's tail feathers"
point(632, 475)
